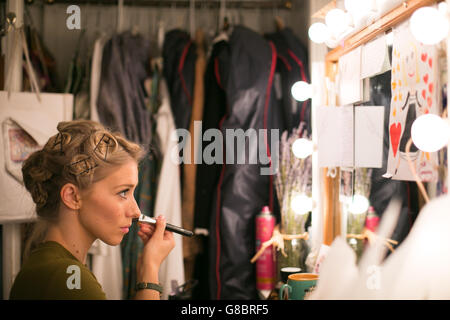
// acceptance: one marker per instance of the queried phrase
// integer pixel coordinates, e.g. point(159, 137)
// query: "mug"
point(285, 272)
point(298, 284)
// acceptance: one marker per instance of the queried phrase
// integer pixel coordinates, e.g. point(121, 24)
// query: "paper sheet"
point(335, 136)
point(349, 78)
point(369, 125)
point(375, 58)
point(415, 91)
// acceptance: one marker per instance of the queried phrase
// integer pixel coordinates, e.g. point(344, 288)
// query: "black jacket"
point(242, 191)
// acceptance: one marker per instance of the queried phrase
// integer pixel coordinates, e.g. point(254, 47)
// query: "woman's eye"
point(123, 193)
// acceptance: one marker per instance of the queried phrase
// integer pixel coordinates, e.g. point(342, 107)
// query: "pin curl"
point(107, 143)
point(87, 166)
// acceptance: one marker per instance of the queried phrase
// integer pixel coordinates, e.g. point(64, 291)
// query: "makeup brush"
point(170, 227)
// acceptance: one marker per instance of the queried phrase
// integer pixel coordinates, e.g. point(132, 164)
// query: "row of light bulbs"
point(429, 25)
point(429, 132)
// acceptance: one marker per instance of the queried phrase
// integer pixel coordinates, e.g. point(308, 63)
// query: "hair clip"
point(87, 166)
point(59, 140)
point(107, 142)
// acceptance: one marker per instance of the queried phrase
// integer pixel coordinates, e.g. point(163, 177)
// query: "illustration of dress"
point(411, 102)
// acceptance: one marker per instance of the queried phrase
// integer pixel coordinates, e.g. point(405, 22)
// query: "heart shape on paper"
point(394, 132)
point(424, 57)
point(429, 101)
point(425, 78)
point(424, 94)
point(430, 62)
point(430, 87)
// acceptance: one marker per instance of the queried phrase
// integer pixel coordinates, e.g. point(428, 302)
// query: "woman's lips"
point(125, 229)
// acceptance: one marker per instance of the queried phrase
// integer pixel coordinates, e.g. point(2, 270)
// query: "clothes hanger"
point(135, 26)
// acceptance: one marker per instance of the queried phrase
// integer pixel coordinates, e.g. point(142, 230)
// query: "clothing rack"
point(199, 4)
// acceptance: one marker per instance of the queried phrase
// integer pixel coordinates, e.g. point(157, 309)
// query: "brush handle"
point(169, 227)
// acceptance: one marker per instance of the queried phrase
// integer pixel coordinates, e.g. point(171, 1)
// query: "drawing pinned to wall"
point(414, 79)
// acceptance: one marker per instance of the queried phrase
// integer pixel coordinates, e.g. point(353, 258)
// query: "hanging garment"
point(106, 259)
point(168, 195)
point(292, 66)
point(242, 190)
point(96, 68)
point(179, 71)
point(121, 99)
point(208, 174)
point(192, 245)
point(43, 63)
point(121, 106)
point(214, 110)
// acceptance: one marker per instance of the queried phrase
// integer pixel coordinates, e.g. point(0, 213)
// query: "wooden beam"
point(389, 20)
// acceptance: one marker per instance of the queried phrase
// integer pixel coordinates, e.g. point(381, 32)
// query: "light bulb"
point(302, 148)
point(301, 204)
point(318, 32)
point(301, 91)
point(430, 132)
point(358, 204)
point(428, 25)
point(336, 21)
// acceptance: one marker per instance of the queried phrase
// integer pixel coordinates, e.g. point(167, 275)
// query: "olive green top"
point(52, 273)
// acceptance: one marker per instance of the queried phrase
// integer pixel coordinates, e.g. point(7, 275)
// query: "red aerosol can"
point(265, 265)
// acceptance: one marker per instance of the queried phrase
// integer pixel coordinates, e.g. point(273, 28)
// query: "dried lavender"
point(294, 177)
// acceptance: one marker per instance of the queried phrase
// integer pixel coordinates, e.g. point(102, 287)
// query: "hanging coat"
point(292, 66)
point(179, 71)
point(121, 99)
point(242, 190)
point(213, 112)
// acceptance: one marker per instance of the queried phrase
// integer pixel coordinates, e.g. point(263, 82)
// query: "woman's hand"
point(157, 245)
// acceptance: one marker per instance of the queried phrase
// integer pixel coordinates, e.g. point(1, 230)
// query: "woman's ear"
point(70, 196)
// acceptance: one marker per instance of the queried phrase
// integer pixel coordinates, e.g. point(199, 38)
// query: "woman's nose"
point(134, 211)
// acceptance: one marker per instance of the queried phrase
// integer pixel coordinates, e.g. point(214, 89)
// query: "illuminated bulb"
point(301, 91)
point(358, 204)
point(442, 8)
point(430, 132)
point(318, 32)
point(302, 148)
point(428, 25)
point(337, 21)
point(301, 204)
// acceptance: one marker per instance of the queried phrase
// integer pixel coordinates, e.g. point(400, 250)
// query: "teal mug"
point(298, 285)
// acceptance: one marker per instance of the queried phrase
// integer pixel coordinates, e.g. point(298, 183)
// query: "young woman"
point(82, 183)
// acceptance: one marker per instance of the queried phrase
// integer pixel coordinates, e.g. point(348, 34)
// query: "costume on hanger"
point(168, 194)
point(179, 71)
point(121, 106)
point(242, 190)
point(292, 66)
point(106, 259)
point(207, 175)
point(192, 246)
point(121, 100)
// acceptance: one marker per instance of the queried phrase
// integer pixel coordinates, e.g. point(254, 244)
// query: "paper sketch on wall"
point(413, 86)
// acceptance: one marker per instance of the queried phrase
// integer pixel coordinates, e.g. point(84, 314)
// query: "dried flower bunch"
point(294, 178)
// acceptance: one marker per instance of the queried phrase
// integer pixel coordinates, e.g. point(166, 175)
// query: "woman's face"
point(108, 206)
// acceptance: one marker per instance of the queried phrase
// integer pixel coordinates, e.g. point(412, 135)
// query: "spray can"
point(372, 220)
point(265, 265)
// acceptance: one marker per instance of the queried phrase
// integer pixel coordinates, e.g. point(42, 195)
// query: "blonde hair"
point(82, 153)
